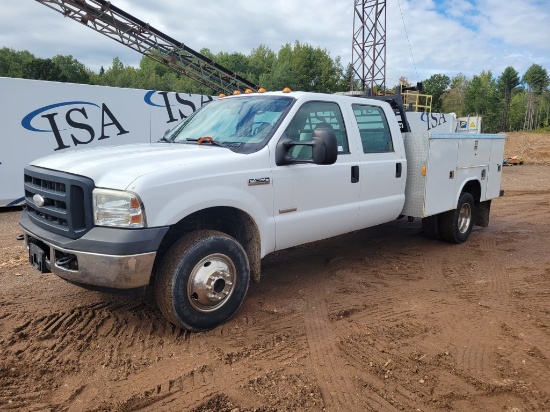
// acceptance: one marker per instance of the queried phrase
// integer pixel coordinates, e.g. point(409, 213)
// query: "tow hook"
point(67, 262)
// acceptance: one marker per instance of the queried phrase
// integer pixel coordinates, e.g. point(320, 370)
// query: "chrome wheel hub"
point(211, 282)
point(464, 218)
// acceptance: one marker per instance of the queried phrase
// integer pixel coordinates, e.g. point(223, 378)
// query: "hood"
point(116, 167)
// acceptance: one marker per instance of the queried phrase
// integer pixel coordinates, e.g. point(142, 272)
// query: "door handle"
point(398, 169)
point(354, 174)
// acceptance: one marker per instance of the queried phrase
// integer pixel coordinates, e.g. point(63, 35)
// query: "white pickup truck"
point(246, 175)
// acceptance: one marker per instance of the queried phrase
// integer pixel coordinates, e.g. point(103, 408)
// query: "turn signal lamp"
point(286, 90)
point(134, 203)
point(423, 170)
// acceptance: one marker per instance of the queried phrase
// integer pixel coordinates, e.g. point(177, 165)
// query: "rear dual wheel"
point(202, 280)
point(456, 225)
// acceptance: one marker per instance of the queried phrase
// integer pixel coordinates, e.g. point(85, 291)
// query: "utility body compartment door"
point(494, 178)
point(450, 161)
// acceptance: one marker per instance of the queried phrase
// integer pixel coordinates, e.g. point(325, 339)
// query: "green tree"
point(516, 116)
point(344, 84)
point(260, 62)
point(303, 67)
point(118, 75)
point(12, 62)
point(482, 99)
point(43, 69)
point(236, 62)
point(454, 100)
point(536, 79)
point(72, 69)
point(506, 83)
point(436, 86)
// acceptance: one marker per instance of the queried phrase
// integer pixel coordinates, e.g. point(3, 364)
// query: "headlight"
point(117, 208)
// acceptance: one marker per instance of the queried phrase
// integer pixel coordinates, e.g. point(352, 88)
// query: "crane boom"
point(121, 26)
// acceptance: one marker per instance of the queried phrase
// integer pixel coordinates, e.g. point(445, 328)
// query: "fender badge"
point(259, 181)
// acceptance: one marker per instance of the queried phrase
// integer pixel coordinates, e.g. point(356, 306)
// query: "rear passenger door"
point(382, 166)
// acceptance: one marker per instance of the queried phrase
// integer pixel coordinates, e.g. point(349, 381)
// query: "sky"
point(424, 37)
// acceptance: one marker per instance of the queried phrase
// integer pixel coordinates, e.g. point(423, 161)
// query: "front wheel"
point(457, 224)
point(202, 280)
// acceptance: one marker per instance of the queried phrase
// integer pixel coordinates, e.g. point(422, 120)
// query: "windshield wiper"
point(206, 139)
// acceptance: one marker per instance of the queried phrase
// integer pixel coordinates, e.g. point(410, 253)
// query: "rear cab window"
point(373, 129)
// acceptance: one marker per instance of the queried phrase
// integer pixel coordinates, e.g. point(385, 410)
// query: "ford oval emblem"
point(38, 200)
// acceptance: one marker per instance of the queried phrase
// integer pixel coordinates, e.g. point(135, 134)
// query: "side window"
point(314, 115)
point(373, 128)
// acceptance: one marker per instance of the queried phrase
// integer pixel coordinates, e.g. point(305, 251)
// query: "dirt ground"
point(382, 319)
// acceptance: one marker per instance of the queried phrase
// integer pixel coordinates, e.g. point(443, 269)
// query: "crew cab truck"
point(246, 175)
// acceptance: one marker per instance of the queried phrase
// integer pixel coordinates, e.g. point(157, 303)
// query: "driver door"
point(313, 202)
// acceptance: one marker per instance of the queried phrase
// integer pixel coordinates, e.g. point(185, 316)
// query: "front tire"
point(457, 224)
point(202, 280)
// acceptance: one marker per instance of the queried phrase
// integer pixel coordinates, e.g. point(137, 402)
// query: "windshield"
point(234, 122)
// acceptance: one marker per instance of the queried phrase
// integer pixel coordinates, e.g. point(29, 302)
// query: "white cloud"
point(518, 23)
point(445, 36)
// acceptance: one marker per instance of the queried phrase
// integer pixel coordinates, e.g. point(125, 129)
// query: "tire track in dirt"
point(490, 274)
point(529, 296)
point(425, 356)
point(195, 379)
point(485, 287)
point(525, 279)
point(337, 388)
point(468, 362)
point(62, 340)
point(379, 352)
point(360, 348)
point(333, 375)
point(487, 282)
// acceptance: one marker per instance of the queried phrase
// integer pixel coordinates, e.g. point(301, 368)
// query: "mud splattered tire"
point(202, 280)
point(457, 224)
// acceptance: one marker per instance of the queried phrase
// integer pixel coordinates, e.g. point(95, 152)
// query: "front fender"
point(256, 201)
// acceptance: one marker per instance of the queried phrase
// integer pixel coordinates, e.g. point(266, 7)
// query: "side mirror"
point(324, 148)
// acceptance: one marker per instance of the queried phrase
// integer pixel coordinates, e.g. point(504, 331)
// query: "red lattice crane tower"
point(369, 46)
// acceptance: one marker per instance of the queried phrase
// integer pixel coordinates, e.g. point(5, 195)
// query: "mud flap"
point(482, 213)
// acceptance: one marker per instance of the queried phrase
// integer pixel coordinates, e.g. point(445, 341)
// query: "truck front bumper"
point(104, 258)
